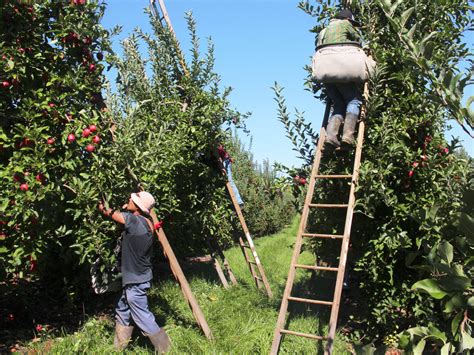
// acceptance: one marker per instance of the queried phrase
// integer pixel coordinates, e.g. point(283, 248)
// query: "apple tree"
point(51, 129)
point(408, 167)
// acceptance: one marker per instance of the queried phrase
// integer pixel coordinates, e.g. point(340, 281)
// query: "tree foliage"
point(50, 109)
point(398, 238)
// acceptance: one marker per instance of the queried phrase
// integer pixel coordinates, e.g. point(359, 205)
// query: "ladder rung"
point(317, 235)
point(253, 263)
point(258, 278)
point(311, 267)
point(307, 300)
point(328, 205)
point(311, 336)
point(333, 176)
point(246, 246)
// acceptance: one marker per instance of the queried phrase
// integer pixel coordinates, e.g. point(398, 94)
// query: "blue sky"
point(257, 42)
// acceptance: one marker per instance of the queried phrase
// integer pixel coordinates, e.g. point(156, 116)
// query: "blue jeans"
point(227, 167)
point(345, 98)
point(132, 308)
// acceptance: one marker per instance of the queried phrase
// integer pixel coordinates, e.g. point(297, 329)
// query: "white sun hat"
point(144, 201)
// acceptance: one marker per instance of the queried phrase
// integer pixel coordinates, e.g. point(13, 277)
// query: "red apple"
point(96, 139)
point(39, 177)
point(410, 173)
point(415, 164)
point(93, 128)
point(424, 157)
point(71, 137)
point(51, 104)
point(5, 84)
point(91, 67)
point(26, 142)
point(2, 235)
point(158, 225)
point(24, 187)
point(302, 181)
point(33, 264)
point(50, 140)
point(90, 148)
point(86, 132)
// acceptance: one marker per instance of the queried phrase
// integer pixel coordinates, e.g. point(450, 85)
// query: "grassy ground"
point(242, 318)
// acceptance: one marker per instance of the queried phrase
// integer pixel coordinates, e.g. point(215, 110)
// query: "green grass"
point(241, 318)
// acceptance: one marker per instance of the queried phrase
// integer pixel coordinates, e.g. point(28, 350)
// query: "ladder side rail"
point(177, 47)
point(243, 247)
point(347, 231)
point(247, 235)
point(185, 288)
point(225, 262)
point(216, 264)
point(179, 275)
point(299, 239)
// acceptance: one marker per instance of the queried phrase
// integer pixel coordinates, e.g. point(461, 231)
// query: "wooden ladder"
point(252, 259)
point(304, 234)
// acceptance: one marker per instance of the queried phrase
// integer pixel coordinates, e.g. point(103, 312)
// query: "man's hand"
point(115, 215)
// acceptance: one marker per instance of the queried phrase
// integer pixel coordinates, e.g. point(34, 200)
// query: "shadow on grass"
point(26, 304)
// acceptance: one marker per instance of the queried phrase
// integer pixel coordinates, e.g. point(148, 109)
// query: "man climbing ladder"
point(345, 96)
point(340, 66)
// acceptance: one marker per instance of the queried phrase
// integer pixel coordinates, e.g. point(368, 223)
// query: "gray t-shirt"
point(137, 246)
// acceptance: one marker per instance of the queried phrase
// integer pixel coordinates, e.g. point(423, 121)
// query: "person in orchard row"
point(345, 96)
point(136, 252)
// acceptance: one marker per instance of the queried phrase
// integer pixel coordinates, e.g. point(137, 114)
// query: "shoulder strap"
point(148, 222)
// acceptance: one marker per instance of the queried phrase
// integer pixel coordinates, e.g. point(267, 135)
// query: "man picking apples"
point(136, 252)
point(227, 163)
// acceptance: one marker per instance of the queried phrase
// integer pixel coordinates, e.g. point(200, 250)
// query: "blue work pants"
point(345, 98)
point(132, 308)
point(227, 167)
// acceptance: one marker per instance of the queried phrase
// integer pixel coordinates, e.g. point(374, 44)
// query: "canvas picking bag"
point(341, 63)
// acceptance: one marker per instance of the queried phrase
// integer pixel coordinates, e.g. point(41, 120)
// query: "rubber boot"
point(160, 341)
point(332, 130)
point(350, 122)
point(122, 337)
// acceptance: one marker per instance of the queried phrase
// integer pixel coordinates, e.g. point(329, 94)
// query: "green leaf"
point(431, 287)
point(455, 283)
point(445, 251)
point(411, 32)
point(418, 349)
point(455, 323)
point(466, 225)
point(467, 341)
point(470, 302)
point(445, 350)
point(454, 303)
point(405, 16)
